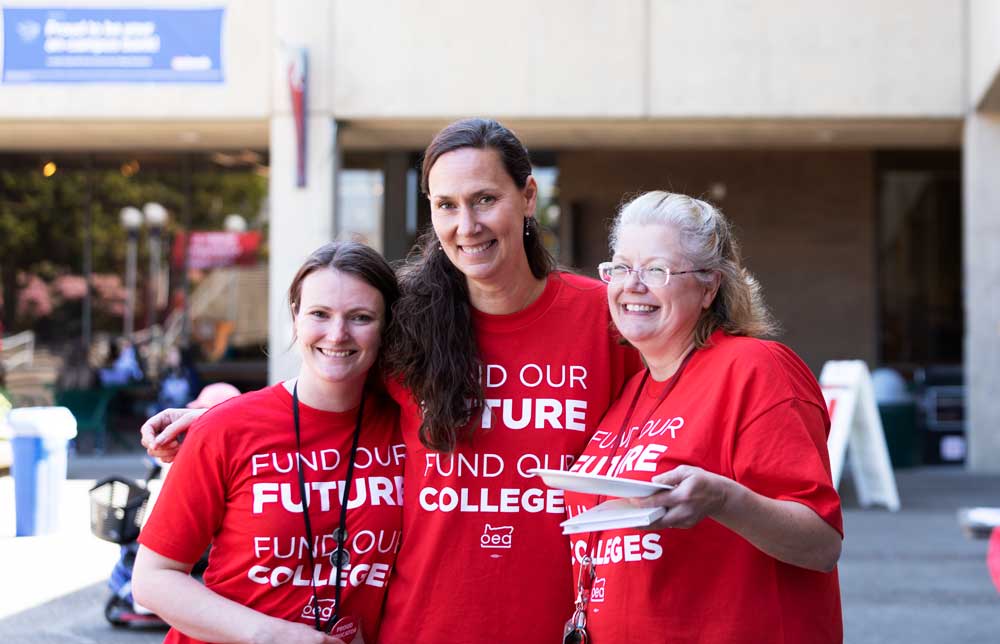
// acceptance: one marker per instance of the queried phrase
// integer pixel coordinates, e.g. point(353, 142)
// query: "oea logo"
point(326, 607)
point(498, 537)
point(597, 592)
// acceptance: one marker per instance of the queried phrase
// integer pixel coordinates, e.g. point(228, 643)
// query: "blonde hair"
point(707, 240)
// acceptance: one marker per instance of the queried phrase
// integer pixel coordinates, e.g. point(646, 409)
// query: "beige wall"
point(981, 224)
point(585, 65)
point(984, 52)
point(570, 59)
point(806, 220)
point(779, 58)
point(437, 58)
point(649, 58)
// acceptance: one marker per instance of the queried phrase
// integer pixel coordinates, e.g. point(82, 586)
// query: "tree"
point(42, 220)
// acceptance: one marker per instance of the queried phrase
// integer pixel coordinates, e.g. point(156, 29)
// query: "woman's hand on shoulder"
point(697, 494)
point(160, 434)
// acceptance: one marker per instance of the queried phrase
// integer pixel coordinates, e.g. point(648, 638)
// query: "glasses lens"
point(655, 276)
point(604, 271)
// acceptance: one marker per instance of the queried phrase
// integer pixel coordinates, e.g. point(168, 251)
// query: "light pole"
point(234, 223)
point(156, 218)
point(131, 219)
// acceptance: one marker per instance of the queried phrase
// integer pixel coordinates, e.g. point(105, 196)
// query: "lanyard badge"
point(575, 631)
point(340, 559)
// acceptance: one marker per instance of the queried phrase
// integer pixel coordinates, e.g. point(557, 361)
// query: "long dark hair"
point(433, 349)
point(359, 261)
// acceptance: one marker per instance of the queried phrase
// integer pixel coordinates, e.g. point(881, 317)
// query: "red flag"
point(298, 79)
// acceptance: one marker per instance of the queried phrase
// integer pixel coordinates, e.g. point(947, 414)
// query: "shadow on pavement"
point(76, 618)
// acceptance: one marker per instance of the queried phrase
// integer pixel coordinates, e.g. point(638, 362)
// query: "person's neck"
point(508, 294)
point(327, 396)
point(666, 363)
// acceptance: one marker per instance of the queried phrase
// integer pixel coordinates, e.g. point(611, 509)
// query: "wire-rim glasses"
point(654, 276)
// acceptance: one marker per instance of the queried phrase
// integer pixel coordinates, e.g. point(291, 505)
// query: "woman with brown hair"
point(506, 364)
point(502, 364)
point(296, 486)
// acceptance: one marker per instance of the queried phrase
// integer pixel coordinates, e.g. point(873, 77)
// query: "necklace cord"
point(341, 534)
point(592, 539)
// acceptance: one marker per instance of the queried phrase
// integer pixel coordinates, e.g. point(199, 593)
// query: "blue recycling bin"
point(39, 440)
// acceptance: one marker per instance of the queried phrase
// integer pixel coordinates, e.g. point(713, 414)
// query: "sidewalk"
point(54, 586)
point(909, 576)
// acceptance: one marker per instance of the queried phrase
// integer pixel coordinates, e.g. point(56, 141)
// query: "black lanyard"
point(337, 559)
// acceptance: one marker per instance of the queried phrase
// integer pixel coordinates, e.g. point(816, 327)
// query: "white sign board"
point(855, 423)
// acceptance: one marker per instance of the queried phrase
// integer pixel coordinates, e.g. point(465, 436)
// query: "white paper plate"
point(596, 484)
point(612, 515)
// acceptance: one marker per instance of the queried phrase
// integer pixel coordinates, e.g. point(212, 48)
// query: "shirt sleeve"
point(782, 454)
point(192, 502)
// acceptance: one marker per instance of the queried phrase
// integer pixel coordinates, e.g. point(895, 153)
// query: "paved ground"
point(912, 576)
point(906, 577)
point(53, 588)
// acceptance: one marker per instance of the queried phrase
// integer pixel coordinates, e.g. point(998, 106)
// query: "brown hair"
point(708, 242)
point(434, 352)
point(359, 261)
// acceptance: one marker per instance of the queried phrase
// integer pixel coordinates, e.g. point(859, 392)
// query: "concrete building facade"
point(812, 126)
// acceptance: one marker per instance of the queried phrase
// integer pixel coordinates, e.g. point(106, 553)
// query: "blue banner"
point(112, 45)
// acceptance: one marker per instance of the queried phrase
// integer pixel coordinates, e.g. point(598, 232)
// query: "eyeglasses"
point(654, 276)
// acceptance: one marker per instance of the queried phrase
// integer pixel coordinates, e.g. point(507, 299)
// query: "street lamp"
point(234, 223)
point(156, 218)
point(131, 219)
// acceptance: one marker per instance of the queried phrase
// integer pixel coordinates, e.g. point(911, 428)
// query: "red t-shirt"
point(749, 410)
point(483, 556)
point(235, 485)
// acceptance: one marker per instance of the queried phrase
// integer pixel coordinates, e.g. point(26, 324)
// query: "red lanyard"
point(635, 401)
point(586, 580)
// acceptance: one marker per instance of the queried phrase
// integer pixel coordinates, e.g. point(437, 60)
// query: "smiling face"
point(338, 329)
point(659, 321)
point(478, 214)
